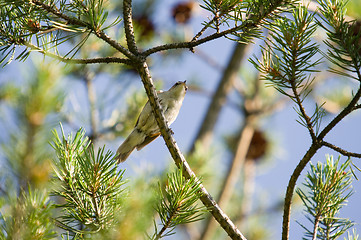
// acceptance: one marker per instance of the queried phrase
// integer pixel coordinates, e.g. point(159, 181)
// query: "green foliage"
point(177, 205)
point(90, 189)
point(91, 186)
point(343, 38)
point(27, 23)
point(289, 54)
point(328, 188)
point(224, 10)
point(245, 17)
point(28, 217)
point(289, 59)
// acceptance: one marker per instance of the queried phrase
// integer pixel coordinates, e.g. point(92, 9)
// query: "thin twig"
point(341, 151)
point(297, 96)
point(315, 227)
point(166, 225)
point(56, 12)
point(303, 111)
point(358, 106)
point(203, 29)
point(75, 60)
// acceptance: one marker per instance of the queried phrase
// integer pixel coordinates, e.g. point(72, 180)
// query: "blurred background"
point(106, 99)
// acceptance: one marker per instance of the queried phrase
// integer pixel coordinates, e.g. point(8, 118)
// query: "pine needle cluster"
point(178, 203)
point(90, 185)
point(327, 188)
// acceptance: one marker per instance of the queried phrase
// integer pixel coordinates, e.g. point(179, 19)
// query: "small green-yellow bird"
point(146, 129)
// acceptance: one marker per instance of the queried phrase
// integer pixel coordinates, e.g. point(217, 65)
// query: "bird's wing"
point(144, 115)
point(147, 110)
point(147, 140)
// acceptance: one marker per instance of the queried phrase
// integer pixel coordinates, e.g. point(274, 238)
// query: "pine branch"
point(334, 13)
point(56, 12)
point(206, 26)
point(217, 14)
point(75, 60)
point(70, 20)
point(307, 157)
point(91, 186)
point(243, 30)
point(32, 47)
point(28, 216)
point(328, 188)
point(178, 203)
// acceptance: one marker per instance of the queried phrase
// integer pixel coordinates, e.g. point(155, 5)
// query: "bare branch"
point(302, 110)
point(115, 44)
point(291, 187)
point(358, 106)
point(128, 26)
point(193, 44)
point(341, 151)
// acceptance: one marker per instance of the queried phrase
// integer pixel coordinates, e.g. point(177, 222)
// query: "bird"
point(146, 128)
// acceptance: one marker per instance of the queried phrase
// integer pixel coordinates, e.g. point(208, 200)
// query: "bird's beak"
point(185, 85)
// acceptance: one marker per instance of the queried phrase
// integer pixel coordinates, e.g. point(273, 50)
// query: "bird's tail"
point(129, 144)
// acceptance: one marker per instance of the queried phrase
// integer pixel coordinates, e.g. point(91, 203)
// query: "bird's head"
point(179, 88)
